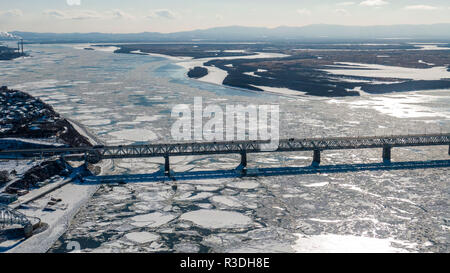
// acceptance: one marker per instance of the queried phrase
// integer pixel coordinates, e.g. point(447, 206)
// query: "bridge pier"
point(166, 165)
point(28, 230)
point(316, 158)
point(85, 163)
point(387, 154)
point(243, 160)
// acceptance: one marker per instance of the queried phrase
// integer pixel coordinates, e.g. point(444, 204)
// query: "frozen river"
point(128, 99)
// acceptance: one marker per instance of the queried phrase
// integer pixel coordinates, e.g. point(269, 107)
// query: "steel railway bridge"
point(95, 154)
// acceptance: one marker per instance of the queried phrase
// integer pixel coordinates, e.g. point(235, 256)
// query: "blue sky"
point(119, 16)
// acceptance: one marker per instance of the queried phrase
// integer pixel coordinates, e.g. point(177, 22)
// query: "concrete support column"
point(243, 160)
point(316, 158)
point(85, 164)
point(167, 165)
point(28, 231)
point(387, 154)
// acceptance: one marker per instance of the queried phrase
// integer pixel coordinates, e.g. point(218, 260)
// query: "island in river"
point(330, 70)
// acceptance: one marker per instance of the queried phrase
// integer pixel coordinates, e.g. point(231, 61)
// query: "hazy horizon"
point(228, 26)
point(136, 16)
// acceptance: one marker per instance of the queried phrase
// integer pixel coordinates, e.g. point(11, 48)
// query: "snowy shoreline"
point(74, 195)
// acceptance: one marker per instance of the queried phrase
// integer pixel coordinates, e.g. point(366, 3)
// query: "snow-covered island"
point(48, 192)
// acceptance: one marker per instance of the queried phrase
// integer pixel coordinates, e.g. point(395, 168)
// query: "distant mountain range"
point(240, 33)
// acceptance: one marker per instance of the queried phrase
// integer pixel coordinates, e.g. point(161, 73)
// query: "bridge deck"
point(232, 147)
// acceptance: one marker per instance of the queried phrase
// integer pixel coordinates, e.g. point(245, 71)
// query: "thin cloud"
point(421, 7)
point(345, 4)
point(119, 14)
point(304, 11)
point(56, 14)
point(374, 3)
point(11, 13)
point(162, 13)
point(73, 2)
point(343, 12)
point(88, 14)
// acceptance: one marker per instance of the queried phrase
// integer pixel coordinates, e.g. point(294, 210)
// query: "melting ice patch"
point(217, 219)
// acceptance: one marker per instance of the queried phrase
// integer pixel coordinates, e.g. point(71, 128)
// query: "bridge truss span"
point(166, 150)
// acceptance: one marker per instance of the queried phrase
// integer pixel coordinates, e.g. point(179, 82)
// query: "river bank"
point(48, 189)
point(7, 53)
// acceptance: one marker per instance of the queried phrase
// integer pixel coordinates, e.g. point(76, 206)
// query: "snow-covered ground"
point(73, 193)
point(385, 71)
point(280, 91)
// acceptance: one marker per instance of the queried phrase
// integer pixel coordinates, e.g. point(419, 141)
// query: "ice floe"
point(217, 219)
point(155, 219)
point(228, 201)
point(142, 237)
point(244, 185)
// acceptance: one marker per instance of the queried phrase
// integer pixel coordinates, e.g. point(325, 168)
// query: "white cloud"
point(345, 4)
point(304, 11)
point(55, 13)
point(219, 17)
point(73, 2)
point(342, 12)
point(162, 13)
point(374, 3)
point(12, 13)
point(119, 14)
point(88, 14)
point(421, 7)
